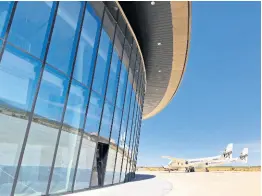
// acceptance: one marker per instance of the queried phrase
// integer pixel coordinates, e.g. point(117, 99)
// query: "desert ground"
point(161, 183)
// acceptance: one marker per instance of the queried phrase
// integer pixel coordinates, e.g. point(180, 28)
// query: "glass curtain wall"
point(71, 97)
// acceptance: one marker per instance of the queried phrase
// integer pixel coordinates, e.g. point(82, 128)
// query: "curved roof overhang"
point(163, 32)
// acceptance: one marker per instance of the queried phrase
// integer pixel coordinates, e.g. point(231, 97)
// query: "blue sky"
point(218, 101)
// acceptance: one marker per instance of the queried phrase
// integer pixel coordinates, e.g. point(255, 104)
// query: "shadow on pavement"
point(140, 177)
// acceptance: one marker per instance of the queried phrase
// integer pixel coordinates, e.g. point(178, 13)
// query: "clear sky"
point(218, 101)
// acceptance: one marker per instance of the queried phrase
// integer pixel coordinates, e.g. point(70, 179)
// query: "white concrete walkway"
point(185, 184)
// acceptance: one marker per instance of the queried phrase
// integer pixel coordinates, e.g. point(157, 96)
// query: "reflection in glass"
point(86, 158)
point(29, 26)
point(120, 148)
point(76, 105)
point(51, 97)
point(87, 48)
point(116, 126)
point(41, 141)
point(13, 126)
point(128, 99)
point(94, 113)
point(63, 36)
point(124, 165)
point(36, 164)
point(5, 11)
point(118, 166)
point(19, 75)
point(125, 153)
point(113, 147)
point(65, 163)
point(113, 77)
point(102, 63)
point(18, 68)
point(106, 121)
point(130, 153)
point(70, 138)
point(122, 87)
point(110, 165)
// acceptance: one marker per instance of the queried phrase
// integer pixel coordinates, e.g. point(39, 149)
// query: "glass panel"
point(127, 141)
point(29, 26)
point(123, 131)
point(13, 126)
point(119, 41)
point(5, 11)
point(102, 63)
point(63, 37)
point(76, 105)
point(106, 121)
point(18, 68)
point(98, 7)
point(136, 79)
point(70, 138)
point(131, 110)
point(110, 165)
point(87, 48)
point(85, 162)
point(113, 147)
point(65, 160)
point(116, 127)
point(109, 24)
point(37, 159)
point(121, 148)
point(94, 113)
point(122, 87)
point(127, 99)
point(121, 22)
point(112, 7)
point(129, 36)
point(113, 78)
point(118, 166)
point(35, 168)
point(132, 65)
point(51, 97)
point(123, 168)
point(126, 54)
point(130, 154)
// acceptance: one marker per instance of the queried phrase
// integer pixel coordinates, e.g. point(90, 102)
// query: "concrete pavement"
point(185, 184)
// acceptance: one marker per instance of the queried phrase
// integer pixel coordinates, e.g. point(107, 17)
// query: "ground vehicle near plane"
point(189, 165)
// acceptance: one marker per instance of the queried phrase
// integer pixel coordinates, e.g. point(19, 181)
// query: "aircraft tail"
point(244, 155)
point(227, 154)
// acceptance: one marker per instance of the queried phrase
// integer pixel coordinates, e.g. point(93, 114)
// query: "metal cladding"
point(163, 31)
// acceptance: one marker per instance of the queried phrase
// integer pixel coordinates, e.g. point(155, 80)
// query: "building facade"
point(72, 90)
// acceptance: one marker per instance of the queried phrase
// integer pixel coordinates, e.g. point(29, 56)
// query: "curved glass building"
point(76, 80)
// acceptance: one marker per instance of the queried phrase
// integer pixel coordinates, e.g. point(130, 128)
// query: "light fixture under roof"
point(159, 70)
point(153, 3)
point(156, 89)
point(159, 43)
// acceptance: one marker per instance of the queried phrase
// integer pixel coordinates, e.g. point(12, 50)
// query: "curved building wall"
point(72, 85)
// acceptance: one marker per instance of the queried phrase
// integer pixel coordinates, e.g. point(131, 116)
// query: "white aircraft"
point(190, 164)
point(243, 158)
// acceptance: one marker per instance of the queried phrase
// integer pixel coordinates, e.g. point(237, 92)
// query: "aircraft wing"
point(167, 157)
point(173, 158)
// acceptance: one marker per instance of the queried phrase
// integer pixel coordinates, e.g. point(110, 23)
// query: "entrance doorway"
point(100, 164)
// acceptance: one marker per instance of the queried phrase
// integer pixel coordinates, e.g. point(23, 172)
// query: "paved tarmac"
point(185, 184)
